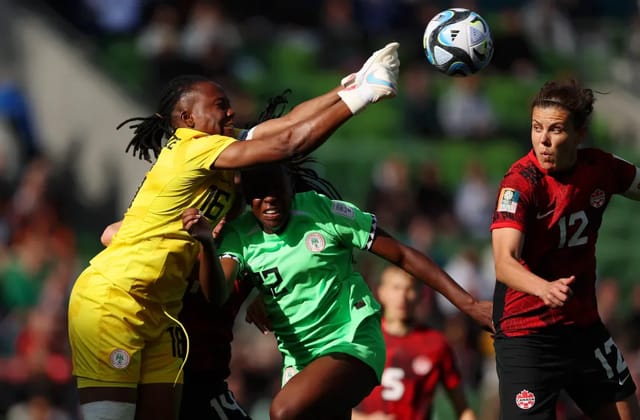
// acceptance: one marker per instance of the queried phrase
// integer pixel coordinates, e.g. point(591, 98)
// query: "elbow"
point(500, 270)
point(297, 141)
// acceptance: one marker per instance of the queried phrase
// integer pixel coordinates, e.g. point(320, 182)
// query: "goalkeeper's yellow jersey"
point(151, 255)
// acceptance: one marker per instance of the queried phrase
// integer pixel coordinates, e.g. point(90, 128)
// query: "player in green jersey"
point(297, 249)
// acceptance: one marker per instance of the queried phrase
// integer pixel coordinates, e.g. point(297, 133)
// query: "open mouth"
point(271, 213)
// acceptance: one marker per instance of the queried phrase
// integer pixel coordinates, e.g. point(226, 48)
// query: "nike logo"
point(371, 78)
point(622, 381)
point(543, 215)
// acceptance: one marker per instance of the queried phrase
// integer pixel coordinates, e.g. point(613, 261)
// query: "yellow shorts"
point(120, 339)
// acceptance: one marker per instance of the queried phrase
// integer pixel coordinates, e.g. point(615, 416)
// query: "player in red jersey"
point(418, 359)
point(549, 336)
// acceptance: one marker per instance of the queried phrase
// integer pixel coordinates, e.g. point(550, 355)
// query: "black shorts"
point(209, 400)
point(584, 362)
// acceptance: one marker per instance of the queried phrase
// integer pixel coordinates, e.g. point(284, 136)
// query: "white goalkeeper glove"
point(378, 82)
point(388, 55)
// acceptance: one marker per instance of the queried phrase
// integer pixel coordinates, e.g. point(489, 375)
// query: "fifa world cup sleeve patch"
point(508, 200)
point(342, 210)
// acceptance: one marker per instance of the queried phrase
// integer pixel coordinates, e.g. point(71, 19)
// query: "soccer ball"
point(458, 42)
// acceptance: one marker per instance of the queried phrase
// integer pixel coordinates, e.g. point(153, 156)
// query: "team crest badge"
point(421, 365)
point(119, 358)
point(525, 399)
point(597, 198)
point(315, 242)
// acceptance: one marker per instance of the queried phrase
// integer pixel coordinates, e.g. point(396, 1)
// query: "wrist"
point(355, 99)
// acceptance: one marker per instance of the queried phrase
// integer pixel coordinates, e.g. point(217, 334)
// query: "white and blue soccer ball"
point(458, 42)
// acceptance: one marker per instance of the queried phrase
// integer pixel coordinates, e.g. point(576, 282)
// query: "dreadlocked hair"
point(149, 132)
point(275, 108)
point(306, 178)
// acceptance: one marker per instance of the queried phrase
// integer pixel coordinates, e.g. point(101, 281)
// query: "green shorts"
point(364, 342)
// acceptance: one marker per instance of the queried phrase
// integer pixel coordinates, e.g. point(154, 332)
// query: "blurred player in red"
point(549, 337)
point(418, 359)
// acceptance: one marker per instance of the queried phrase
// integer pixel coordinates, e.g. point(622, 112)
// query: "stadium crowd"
point(142, 44)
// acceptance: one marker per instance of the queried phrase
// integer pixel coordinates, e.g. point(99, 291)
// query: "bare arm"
point(460, 404)
point(507, 247)
point(299, 139)
point(311, 123)
point(210, 275)
point(426, 270)
point(230, 273)
point(298, 114)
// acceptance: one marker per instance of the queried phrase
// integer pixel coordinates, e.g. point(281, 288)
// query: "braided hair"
point(272, 110)
point(304, 177)
point(149, 132)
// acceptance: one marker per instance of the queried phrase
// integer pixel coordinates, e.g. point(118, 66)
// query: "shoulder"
point(592, 155)
point(523, 175)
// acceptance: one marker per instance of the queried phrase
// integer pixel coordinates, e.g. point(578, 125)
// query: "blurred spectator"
point(380, 18)
point(464, 111)
point(342, 40)
point(210, 37)
point(432, 198)
point(474, 200)
point(419, 102)
point(390, 196)
point(38, 404)
point(160, 36)
point(515, 54)
point(464, 268)
point(16, 117)
point(115, 17)
point(35, 276)
point(547, 28)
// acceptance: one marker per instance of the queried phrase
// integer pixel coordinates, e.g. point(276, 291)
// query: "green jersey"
point(314, 297)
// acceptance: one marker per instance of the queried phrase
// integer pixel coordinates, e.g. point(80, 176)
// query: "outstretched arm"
point(303, 111)
point(300, 139)
point(426, 270)
point(298, 114)
point(308, 127)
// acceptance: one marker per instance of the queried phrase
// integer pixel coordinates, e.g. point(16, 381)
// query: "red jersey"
point(416, 364)
point(560, 215)
point(210, 330)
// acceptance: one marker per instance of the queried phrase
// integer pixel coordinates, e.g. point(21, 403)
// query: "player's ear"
point(187, 119)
